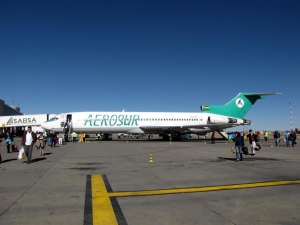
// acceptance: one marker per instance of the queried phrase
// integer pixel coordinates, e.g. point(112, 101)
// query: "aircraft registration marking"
point(103, 212)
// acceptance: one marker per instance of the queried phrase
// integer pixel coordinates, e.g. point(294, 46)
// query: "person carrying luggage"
point(252, 141)
point(239, 143)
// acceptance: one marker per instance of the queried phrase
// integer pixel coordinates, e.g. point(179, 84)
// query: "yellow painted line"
point(201, 189)
point(103, 213)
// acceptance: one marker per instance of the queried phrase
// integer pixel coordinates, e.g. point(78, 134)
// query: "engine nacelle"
point(247, 122)
point(220, 119)
point(232, 120)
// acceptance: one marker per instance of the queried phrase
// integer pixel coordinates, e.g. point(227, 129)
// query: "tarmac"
point(115, 182)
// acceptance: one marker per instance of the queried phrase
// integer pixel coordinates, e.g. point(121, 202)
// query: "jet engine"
point(220, 119)
point(247, 122)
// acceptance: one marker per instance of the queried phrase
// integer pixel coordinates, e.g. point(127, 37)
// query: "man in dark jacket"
point(28, 140)
point(53, 137)
point(276, 137)
point(239, 143)
point(293, 137)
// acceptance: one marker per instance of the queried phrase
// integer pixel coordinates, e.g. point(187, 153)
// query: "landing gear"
point(167, 137)
point(107, 137)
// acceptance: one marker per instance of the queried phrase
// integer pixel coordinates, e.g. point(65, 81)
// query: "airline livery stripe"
point(103, 212)
point(202, 189)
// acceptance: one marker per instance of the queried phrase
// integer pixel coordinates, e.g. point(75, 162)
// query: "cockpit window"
point(53, 118)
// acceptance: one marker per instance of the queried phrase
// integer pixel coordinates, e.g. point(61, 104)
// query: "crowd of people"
point(51, 138)
point(254, 138)
point(39, 140)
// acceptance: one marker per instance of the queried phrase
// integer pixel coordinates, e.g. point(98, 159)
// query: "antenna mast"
point(291, 115)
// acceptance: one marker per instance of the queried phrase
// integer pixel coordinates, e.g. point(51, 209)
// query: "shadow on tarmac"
point(8, 160)
point(48, 153)
point(250, 159)
point(36, 160)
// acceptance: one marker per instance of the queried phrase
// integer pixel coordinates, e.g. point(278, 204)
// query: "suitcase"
point(257, 147)
point(14, 148)
point(245, 150)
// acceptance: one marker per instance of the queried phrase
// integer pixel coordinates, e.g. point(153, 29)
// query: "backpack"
point(8, 141)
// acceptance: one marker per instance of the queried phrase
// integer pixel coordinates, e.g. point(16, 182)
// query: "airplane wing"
point(187, 129)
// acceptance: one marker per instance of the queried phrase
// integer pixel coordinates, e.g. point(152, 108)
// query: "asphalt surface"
point(57, 188)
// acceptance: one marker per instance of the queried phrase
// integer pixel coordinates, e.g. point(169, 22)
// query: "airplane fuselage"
point(211, 118)
point(136, 122)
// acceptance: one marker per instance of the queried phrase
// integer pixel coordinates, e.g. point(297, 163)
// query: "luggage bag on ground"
point(245, 150)
point(14, 148)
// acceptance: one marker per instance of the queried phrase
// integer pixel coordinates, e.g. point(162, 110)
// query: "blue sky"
point(163, 56)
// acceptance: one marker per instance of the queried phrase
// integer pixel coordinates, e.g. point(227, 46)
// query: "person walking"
point(48, 138)
point(40, 144)
point(74, 135)
point(84, 136)
point(276, 138)
point(0, 152)
point(239, 143)
point(60, 138)
point(293, 138)
point(98, 136)
point(213, 138)
point(80, 137)
point(8, 140)
point(287, 138)
point(266, 135)
point(258, 136)
point(66, 136)
point(252, 141)
point(28, 140)
point(53, 139)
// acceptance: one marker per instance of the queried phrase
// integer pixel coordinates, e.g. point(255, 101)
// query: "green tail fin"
point(237, 107)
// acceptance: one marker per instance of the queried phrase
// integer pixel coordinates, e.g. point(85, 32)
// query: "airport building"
point(14, 121)
point(7, 110)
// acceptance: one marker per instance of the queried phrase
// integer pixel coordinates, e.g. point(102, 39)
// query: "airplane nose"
point(46, 125)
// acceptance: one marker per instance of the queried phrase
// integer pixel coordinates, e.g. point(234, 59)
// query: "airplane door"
point(62, 119)
point(200, 120)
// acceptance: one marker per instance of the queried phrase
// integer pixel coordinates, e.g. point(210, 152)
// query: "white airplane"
point(167, 124)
